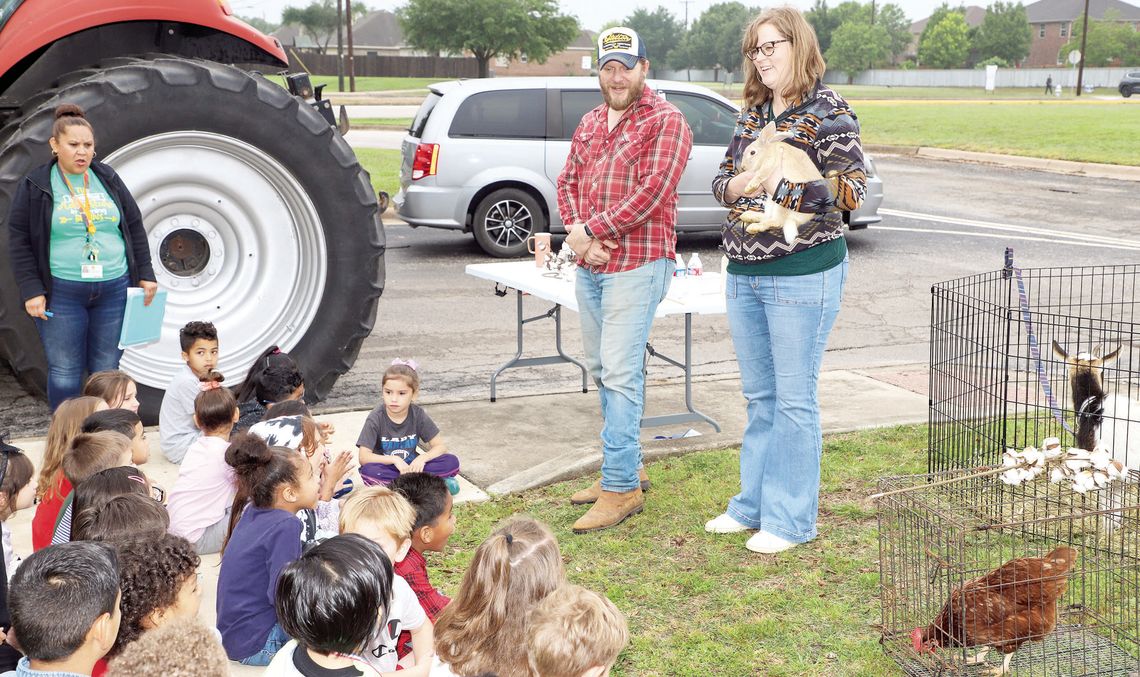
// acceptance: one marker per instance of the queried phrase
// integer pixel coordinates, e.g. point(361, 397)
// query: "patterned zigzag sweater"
point(825, 128)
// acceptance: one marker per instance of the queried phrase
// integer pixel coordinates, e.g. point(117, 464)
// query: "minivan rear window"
point(422, 115)
point(575, 104)
point(506, 114)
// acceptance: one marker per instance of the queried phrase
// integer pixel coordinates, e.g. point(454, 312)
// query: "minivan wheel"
point(504, 220)
point(1126, 92)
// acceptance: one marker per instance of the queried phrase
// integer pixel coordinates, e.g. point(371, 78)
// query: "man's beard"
point(632, 93)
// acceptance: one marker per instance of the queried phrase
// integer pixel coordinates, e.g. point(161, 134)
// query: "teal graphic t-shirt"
point(69, 229)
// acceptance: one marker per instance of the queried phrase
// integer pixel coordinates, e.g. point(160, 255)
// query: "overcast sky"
point(591, 14)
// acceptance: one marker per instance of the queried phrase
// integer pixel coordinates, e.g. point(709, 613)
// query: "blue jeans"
point(83, 335)
point(779, 329)
point(617, 311)
point(277, 639)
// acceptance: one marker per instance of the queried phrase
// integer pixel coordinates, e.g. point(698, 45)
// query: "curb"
point(579, 463)
point(1090, 169)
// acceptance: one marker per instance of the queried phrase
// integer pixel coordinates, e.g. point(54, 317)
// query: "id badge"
point(92, 271)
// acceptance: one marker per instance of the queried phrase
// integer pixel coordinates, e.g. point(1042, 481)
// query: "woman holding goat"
point(787, 267)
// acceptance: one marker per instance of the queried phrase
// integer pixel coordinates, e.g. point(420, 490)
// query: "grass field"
point(383, 166)
point(701, 604)
point(1095, 132)
point(876, 92)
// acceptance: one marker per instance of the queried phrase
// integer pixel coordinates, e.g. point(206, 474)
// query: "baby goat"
point(1104, 420)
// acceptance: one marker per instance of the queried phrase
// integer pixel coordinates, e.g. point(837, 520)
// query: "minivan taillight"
point(423, 164)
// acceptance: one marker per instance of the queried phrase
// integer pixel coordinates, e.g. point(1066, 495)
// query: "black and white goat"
point(1105, 420)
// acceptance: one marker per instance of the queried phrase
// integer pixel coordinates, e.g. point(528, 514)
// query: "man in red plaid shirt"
point(617, 196)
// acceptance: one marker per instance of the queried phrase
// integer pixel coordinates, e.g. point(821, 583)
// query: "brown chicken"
point(1014, 604)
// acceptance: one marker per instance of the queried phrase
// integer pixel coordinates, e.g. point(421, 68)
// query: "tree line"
point(854, 36)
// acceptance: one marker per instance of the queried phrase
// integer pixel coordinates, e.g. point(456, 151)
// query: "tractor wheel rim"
point(234, 238)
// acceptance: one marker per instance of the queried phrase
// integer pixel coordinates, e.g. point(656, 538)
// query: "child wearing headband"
point(399, 437)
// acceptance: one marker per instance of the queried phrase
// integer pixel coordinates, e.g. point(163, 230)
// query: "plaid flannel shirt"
point(413, 569)
point(622, 183)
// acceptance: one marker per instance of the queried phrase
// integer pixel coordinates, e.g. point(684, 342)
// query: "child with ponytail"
point(273, 484)
point(201, 501)
point(484, 627)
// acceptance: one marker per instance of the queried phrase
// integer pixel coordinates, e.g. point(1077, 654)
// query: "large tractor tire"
point(260, 218)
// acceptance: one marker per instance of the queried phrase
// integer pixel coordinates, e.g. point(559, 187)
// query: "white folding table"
point(703, 295)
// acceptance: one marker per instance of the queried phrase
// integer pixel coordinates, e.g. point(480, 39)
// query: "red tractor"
point(259, 215)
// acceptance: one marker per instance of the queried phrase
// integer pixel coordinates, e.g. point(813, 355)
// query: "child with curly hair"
point(180, 648)
point(158, 578)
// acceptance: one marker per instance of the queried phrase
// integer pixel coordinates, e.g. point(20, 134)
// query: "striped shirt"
point(622, 183)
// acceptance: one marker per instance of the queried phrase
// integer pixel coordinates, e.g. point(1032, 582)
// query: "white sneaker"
point(768, 544)
point(725, 524)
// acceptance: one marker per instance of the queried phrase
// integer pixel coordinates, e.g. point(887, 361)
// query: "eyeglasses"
point(765, 48)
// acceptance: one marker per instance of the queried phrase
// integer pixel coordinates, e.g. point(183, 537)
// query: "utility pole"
point(686, 3)
point(1084, 35)
point(339, 45)
point(351, 64)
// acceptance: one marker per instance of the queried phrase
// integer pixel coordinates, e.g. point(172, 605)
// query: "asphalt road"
point(942, 221)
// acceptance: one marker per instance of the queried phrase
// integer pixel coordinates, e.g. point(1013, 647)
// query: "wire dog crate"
point(995, 382)
point(941, 533)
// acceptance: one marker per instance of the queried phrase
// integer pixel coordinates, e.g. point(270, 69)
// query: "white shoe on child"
point(768, 544)
point(725, 524)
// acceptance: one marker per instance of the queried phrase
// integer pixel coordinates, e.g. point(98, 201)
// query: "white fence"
point(1006, 77)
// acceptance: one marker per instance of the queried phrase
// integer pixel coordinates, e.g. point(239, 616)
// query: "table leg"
point(691, 414)
point(519, 361)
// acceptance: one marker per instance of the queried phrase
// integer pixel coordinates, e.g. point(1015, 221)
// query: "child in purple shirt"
point(277, 482)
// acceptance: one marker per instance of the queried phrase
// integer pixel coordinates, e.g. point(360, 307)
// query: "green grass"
point(858, 93)
point(383, 166)
point(700, 604)
point(382, 123)
point(377, 84)
point(1086, 132)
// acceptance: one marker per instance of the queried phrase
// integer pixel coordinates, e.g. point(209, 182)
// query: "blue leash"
point(1034, 347)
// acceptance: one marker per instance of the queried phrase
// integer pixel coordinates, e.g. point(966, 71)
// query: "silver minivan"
point(484, 155)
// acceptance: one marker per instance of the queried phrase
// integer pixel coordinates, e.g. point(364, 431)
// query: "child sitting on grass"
point(395, 431)
point(64, 602)
point(385, 518)
point(574, 632)
point(264, 537)
point(433, 526)
point(201, 500)
point(484, 627)
point(333, 602)
point(52, 487)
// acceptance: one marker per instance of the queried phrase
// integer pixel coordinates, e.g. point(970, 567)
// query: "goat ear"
point(1059, 351)
point(1111, 357)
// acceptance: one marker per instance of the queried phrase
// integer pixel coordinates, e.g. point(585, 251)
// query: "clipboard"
point(142, 325)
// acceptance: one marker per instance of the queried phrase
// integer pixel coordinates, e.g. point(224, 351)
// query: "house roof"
point(1048, 11)
point(291, 35)
point(586, 38)
point(378, 29)
point(974, 17)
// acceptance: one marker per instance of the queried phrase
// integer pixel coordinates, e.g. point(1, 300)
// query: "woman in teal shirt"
point(783, 294)
point(76, 243)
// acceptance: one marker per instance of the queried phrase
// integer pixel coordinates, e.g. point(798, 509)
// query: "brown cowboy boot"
point(591, 493)
point(611, 509)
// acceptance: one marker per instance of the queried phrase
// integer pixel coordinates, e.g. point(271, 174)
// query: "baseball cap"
point(621, 43)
